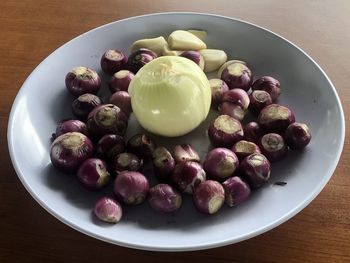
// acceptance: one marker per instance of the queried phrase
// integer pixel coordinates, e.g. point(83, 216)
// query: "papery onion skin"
point(170, 96)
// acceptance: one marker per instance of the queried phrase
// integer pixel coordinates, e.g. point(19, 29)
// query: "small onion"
point(120, 81)
point(112, 61)
point(71, 126)
point(256, 169)
point(131, 187)
point(141, 145)
point(227, 63)
point(236, 191)
point(163, 164)
point(108, 210)
point(164, 198)
point(275, 118)
point(218, 88)
point(84, 104)
point(109, 146)
point(93, 174)
point(122, 100)
point(195, 56)
point(253, 132)
point(82, 80)
point(209, 197)
point(69, 150)
point(259, 99)
point(237, 75)
point(268, 84)
point(273, 147)
point(233, 110)
point(107, 119)
point(126, 162)
point(140, 58)
point(187, 176)
point(225, 131)
point(184, 153)
point(220, 164)
point(297, 136)
point(238, 97)
point(244, 148)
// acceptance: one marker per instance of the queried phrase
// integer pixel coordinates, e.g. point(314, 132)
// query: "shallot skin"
point(236, 191)
point(187, 176)
point(209, 197)
point(256, 170)
point(108, 210)
point(164, 198)
point(93, 174)
point(81, 80)
point(131, 187)
point(220, 164)
point(297, 136)
point(69, 150)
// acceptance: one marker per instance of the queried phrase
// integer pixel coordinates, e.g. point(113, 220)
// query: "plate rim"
point(170, 248)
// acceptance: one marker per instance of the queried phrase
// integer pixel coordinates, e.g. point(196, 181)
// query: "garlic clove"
point(184, 40)
point(155, 44)
point(213, 59)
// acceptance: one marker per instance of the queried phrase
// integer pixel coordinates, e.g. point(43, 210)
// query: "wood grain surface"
point(31, 29)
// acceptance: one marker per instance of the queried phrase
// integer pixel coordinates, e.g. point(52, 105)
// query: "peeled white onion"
point(170, 96)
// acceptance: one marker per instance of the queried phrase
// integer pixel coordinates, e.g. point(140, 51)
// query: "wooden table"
point(31, 29)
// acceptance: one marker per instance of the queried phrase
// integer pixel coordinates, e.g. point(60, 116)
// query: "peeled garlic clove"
point(168, 52)
point(201, 34)
point(226, 64)
point(213, 58)
point(155, 44)
point(184, 40)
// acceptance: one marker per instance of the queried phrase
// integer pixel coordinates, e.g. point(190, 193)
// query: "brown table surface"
point(31, 29)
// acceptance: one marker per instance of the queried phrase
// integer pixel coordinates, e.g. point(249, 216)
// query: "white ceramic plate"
point(43, 101)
